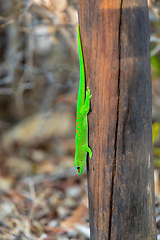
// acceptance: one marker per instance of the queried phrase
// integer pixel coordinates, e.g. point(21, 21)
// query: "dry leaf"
point(78, 216)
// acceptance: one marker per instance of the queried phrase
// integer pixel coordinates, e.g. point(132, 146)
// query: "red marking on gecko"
point(78, 125)
point(78, 169)
point(78, 117)
point(77, 132)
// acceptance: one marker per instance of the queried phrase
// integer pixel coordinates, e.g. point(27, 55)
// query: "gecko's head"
point(79, 167)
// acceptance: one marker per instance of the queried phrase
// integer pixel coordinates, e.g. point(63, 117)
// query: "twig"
point(65, 173)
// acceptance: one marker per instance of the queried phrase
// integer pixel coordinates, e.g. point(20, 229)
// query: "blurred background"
point(41, 194)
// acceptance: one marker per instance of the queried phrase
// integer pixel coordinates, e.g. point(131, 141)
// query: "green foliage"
point(157, 162)
point(155, 131)
point(155, 64)
point(156, 150)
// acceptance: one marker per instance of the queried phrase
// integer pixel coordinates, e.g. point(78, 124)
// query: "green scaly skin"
point(83, 106)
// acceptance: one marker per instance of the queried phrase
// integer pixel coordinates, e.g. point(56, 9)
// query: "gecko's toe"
point(90, 155)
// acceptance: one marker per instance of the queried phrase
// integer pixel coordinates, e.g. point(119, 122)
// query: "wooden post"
point(115, 40)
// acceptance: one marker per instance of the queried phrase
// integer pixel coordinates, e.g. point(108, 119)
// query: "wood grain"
point(115, 40)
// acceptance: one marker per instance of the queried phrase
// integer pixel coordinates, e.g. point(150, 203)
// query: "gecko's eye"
point(78, 168)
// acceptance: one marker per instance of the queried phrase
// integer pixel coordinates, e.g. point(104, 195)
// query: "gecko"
point(83, 106)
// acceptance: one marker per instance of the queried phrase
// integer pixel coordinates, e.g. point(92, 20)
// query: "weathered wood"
point(115, 40)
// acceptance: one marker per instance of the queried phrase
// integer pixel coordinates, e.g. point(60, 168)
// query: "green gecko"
point(83, 106)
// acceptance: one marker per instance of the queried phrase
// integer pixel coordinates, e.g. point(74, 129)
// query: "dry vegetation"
point(41, 195)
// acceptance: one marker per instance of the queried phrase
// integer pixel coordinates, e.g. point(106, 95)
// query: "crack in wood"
point(116, 130)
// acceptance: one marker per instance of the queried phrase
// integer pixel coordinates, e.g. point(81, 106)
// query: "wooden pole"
point(115, 40)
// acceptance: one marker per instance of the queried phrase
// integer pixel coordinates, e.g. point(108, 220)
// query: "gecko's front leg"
point(87, 149)
point(86, 107)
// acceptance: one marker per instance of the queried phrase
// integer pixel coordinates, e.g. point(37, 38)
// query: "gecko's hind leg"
point(87, 149)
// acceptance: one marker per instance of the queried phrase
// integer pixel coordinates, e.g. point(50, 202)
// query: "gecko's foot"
point(90, 154)
point(88, 93)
